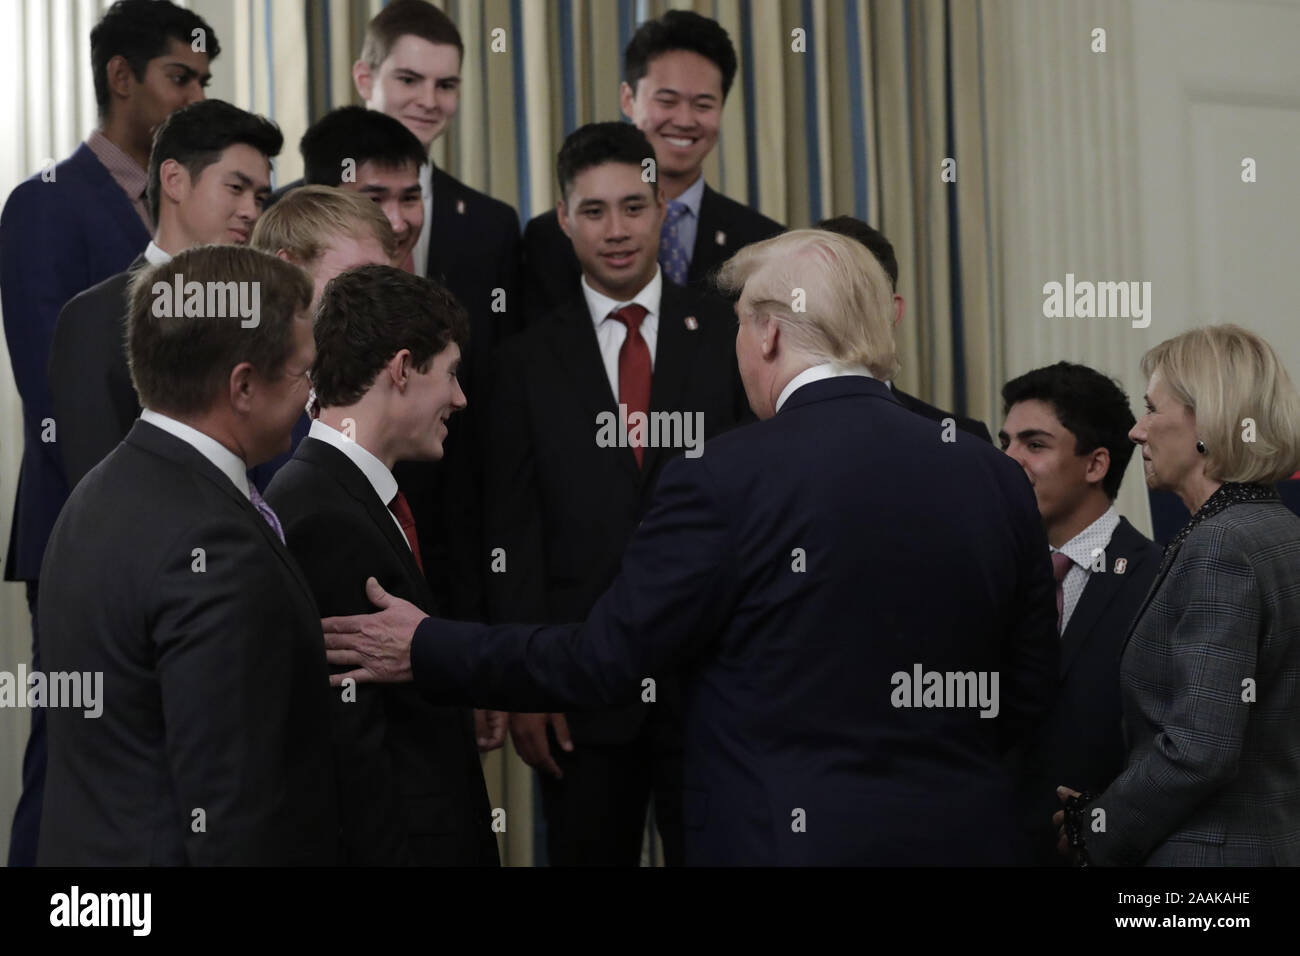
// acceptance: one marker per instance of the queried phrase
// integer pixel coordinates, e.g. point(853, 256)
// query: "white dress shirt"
point(611, 333)
point(230, 464)
point(816, 374)
point(154, 255)
point(1079, 550)
point(421, 251)
point(376, 472)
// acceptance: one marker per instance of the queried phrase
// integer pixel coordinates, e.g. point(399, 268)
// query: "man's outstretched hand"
point(377, 645)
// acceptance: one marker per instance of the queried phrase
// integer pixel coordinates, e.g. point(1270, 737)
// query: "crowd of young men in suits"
point(429, 308)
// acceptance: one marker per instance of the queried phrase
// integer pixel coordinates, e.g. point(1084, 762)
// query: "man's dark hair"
point(358, 134)
point(1091, 406)
point(873, 239)
point(407, 17)
point(679, 30)
point(181, 363)
point(369, 314)
point(598, 143)
point(141, 30)
point(196, 136)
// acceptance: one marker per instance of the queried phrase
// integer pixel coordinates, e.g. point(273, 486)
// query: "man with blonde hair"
point(324, 231)
point(864, 614)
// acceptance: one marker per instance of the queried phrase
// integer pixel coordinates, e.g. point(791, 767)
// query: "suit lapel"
point(675, 351)
point(338, 466)
point(162, 443)
point(708, 253)
point(1096, 596)
point(445, 231)
point(578, 353)
point(119, 206)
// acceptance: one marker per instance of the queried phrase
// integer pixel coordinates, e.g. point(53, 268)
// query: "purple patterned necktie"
point(265, 511)
point(672, 254)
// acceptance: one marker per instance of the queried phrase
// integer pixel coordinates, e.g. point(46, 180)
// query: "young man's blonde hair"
point(305, 219)
point(831, 296)
point(1247, 411)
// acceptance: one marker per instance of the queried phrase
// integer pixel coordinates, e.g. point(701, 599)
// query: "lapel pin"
point(720, 237)
point(460, 206)
point(1120, 565)
point(691, 323)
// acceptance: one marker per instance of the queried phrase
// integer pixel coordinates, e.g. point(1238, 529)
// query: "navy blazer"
point(56, 239)
point(790, 574)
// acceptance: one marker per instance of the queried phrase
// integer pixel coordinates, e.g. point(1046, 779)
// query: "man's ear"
point(899, 306)
point(121, 80)
point(771, 342)
point(399, 368)
point(363, 80)
point(241, 387)
point(284, 256)
point(626, 95)
point(1098, 465)
point(174, 181)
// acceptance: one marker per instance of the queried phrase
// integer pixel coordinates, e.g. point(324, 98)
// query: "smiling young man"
point(387, 353)
point(563, 503)
point(369, 153)
point(209, 174)
point(1067, 426)
point(677, 72)
point(64, 229)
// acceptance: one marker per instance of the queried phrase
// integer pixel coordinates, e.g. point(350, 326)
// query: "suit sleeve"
point(89, 420)
point(224, 655)
point(41, 268)
point(1032, 650)
point(675, 591)
point(371, 814)
point(1200, 741)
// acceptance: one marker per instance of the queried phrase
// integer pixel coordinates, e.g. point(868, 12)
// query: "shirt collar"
point(154, 255)
point(816, 374)
point(1097, 535)
point(600, 305)
point(126, 172)
point(230, 464)
point(693, 196)
point(426, 181)
point(376, 472)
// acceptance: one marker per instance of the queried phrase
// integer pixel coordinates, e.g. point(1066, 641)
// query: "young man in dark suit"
point(1067, 426)
point(62, 230)
point(798, 587)
point(209, 174)
point(883, 250)
point(167, 573)
point(565, 493)
point(677, 72)
point(387, 356)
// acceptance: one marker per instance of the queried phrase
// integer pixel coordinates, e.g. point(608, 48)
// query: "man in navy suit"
point(63, 230)
point(677, 72)
point(1067, 426)
point(862, 612)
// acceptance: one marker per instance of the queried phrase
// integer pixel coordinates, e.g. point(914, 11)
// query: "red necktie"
point(633, 366)
point(1061, 565)
point(402, 511)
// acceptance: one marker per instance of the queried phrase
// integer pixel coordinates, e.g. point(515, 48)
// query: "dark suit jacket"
point(793, 571)
point(474, 250)
point(215, 689)
point(1081, 744)
point(410, 784)
point(969, 425)
point(560, 506)
point(56, 239)
point(551, 270)
point(90, 380)
point(1214, 763)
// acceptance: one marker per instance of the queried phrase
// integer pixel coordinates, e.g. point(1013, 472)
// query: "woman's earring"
point(1200, 446)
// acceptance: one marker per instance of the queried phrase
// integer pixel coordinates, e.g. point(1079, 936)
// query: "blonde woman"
point(1210, 673)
